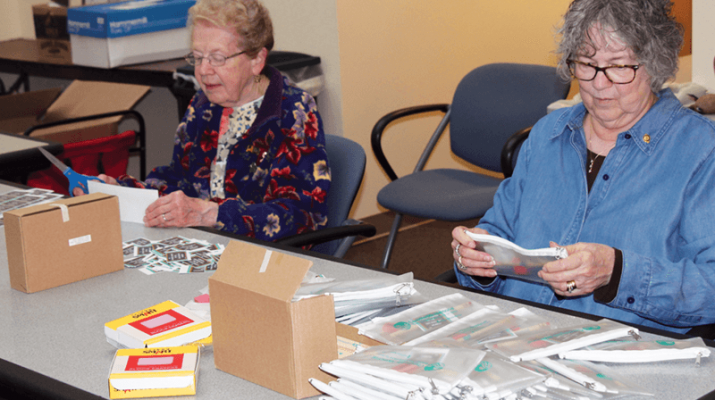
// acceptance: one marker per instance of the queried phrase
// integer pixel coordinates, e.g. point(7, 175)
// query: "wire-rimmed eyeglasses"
point(216, 60)
point(618, 74)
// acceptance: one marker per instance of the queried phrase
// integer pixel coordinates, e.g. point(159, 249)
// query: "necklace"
point(590, 144)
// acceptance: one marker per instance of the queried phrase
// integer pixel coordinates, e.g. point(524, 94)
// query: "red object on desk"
point(111, 152)
point(204, 298)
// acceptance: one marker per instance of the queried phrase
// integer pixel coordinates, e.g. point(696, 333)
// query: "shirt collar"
point(647, 132)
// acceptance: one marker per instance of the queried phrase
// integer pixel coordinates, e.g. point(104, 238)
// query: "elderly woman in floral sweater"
point(249, 155)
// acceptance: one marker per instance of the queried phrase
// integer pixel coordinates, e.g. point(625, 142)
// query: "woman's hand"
point(469, 260)
point(589, 266)
point(105, 178)
point(180, 210)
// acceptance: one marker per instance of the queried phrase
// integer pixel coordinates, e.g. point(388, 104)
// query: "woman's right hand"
point(105, 178)
point(469, 260)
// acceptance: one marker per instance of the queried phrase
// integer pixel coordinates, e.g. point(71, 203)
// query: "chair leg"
point(391, 240)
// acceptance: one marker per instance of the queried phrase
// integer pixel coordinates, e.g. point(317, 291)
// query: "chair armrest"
point(509, 152)
point(376, 137)
point(328, 234)
point(140, 132)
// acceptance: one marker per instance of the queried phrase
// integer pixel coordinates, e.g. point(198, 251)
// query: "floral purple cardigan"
point(277, 174)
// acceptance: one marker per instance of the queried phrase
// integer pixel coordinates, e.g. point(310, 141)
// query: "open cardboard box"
point(262, 336)
point(65, 241)
point(19, 112)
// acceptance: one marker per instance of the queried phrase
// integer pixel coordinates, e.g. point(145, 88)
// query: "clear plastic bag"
point(494, 374)
point(547, 343)
point(436, 370)
point(631, 351)
point(420, 320)
point(596, 377)
point(489, 325)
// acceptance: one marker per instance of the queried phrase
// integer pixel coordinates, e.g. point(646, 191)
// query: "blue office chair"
point(491, 103)
point(347, 167)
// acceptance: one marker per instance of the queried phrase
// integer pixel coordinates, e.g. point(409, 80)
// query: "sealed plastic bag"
point(436, 370)
point(488, 325)
point(596, 377)
point(555, 341)
point(495, 374)
point(420, 320)
point(631, 351)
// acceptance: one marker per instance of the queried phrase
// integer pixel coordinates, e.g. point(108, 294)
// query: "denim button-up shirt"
point(654, 199)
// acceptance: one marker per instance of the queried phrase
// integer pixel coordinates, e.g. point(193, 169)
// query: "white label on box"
point(80, 240)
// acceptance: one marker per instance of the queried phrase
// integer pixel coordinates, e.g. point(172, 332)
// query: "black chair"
point(490, 104)
point(347, 167)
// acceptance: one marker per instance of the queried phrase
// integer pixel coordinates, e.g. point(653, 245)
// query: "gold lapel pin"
point(646, 138)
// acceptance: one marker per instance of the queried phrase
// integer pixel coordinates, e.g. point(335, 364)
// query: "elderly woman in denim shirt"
point(624, 181)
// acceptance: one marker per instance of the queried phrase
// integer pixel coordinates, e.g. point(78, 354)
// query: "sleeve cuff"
point(608, 293)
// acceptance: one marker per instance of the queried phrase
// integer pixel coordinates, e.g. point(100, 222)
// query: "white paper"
point(132, 201)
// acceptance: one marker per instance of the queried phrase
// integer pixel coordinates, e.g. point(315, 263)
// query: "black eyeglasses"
point(618, 74)
point(216, 60)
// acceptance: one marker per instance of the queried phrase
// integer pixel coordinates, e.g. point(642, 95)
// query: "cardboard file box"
point(132, 32)
point(259, 334)
point(51, 32)
point(19, 112)
point(50, 245)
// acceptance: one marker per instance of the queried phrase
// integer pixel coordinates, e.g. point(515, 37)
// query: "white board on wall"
point(704, 43)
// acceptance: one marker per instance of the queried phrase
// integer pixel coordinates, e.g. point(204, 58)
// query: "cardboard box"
point(132, 32)
point(19, 112)
point(50, 245)
point(51, 32)
point(259, 334)
point(163, 325)
point(157, 372)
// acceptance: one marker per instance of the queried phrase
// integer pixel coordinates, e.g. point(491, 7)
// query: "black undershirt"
point(604, 294)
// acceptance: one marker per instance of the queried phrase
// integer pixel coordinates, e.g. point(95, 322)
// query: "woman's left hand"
point(588, 266)
point(179, 210)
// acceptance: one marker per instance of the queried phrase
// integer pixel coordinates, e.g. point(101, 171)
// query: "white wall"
point(311, 27)
point(704, 43)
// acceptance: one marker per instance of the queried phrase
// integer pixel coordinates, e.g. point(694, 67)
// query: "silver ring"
point(164, 216)
point(570, 286)
point(459, 263)
point(456, 249)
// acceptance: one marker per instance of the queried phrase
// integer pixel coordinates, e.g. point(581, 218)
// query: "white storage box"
point(130, 32)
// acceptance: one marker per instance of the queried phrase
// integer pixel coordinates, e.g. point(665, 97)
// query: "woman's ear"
point(258, 62)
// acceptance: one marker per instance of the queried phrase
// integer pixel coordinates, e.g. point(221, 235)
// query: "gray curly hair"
point(645, 26)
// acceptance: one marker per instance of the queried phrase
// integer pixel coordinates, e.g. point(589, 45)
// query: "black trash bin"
point(302, 69)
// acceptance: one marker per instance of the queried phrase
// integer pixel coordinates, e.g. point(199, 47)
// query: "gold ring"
point(456, 249)
point(570, 286)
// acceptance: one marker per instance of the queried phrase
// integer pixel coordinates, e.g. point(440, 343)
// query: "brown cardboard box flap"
point(26, 105)
point(270, 273)
point(82, 99)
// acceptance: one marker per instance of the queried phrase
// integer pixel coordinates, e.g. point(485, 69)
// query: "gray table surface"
point(59, 332)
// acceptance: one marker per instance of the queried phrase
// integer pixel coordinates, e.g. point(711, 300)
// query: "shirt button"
point(605, 177)
point(631, 300)
point(628, 136)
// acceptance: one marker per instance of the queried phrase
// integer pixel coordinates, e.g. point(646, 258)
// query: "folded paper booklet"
point(163, 325)
point(161, 371)
point(512, 260)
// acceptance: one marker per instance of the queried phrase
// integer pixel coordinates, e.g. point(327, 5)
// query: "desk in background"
point(23, 57)
point(53, 341)
point(19, 156)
